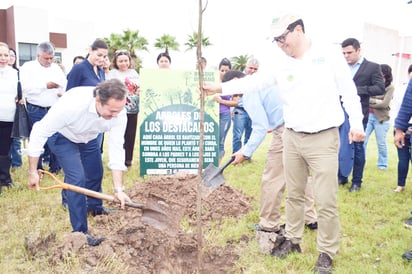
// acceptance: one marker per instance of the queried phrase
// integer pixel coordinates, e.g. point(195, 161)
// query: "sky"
point(234, 27)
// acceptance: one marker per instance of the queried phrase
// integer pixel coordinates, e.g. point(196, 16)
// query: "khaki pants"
point(273, 187)
point(315, 154)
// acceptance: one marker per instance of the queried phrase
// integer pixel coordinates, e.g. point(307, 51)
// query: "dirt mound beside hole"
point(140, 245)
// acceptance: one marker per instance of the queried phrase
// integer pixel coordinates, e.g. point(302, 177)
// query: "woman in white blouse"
point(122, 70)
point(8, 95)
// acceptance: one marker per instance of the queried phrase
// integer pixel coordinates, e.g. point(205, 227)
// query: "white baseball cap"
point(280, 23)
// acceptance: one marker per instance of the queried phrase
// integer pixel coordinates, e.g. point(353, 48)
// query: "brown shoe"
point(285, 248)
point(324, 264)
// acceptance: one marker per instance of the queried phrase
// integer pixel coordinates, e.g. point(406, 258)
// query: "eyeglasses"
point(252, 68)
point(121, 52)
point(281, 38)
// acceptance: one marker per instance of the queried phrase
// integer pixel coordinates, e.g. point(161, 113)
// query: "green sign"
point(169, 121)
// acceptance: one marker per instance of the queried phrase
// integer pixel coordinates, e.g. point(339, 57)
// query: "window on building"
point(27, 52)
point(57, 57)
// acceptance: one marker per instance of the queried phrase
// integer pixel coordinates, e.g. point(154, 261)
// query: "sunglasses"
point(281, 38)
point(121, 52)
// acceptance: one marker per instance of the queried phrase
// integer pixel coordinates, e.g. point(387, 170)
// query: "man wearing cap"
point(311, 79)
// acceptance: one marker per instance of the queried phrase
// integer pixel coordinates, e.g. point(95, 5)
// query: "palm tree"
point(239, 62)
point(130, 41)
point(167, 42)
point(192, 41)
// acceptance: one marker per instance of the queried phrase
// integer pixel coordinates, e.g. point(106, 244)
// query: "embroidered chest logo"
point(319, 61)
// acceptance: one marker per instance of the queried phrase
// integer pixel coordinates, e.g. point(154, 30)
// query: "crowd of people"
point(319, 113)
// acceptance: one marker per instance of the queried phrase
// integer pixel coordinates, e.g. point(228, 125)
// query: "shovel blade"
point(162, 216)
point(212, 178)
point(209, 176)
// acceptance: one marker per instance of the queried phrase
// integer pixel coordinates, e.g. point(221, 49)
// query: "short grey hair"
point(252, 61)
point(45, 47)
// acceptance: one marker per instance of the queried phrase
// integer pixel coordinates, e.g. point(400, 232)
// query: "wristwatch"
point(118, 189)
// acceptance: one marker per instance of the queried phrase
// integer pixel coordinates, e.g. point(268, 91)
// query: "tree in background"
point(166, 42)
point(130, 41)
point(192, 41)
point(239, 62)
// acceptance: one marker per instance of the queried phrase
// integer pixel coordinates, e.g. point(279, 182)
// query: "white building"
point(24, 28)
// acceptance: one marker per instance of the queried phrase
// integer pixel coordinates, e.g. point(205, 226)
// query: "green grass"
point(372, 240)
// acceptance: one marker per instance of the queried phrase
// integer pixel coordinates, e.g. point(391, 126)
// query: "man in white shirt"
point(43, 82)
point(266, 113)
point(71, 128)
point(311, 80)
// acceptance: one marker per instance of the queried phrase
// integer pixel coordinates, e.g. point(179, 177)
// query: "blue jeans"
point(381, 129)
point(82, 166)
point(36, 114)
point(404, 156)
point(224, 125)
point(15, 153)
point(241, 124)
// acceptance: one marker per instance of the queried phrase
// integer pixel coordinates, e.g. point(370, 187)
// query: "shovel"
point(212, 177)
point(151, 214)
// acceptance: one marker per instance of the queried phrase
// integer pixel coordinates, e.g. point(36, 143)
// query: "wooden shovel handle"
point(85, 191)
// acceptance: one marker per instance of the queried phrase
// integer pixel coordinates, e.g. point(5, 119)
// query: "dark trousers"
point(358, 163)
point(359, 160)
point(82, 166)
point(5, 139)
point(5, 143)
point(404, 156)
point(130, 137)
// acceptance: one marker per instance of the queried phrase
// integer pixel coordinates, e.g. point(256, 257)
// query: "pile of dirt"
point(147, 241)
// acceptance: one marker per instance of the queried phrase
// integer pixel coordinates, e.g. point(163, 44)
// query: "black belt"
point(310, 133)
point(240, 108)
point(45, 108)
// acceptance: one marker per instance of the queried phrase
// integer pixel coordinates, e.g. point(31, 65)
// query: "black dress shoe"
point(312, 226)
point(92, 241)
point(7, 183)
point(99, 211)
point(407, 255)
point(354, 188)
point(324, 264)
point(286, 248)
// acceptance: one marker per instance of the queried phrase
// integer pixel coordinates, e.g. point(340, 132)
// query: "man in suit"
point(369, 82)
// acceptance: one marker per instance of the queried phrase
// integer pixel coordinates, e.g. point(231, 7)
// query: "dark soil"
point(153, 240)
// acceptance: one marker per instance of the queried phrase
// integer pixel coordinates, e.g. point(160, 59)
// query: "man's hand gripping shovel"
point(151, 214)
